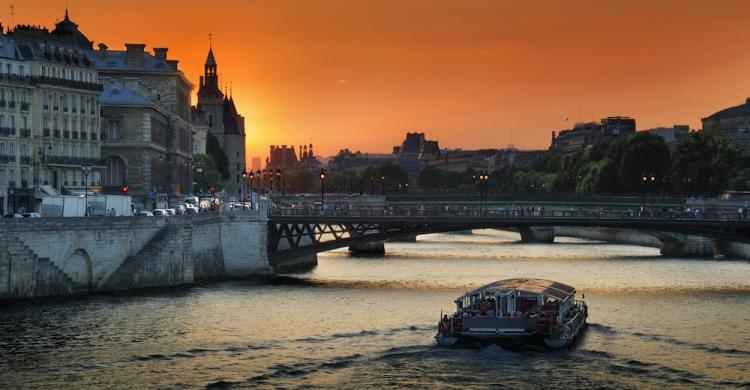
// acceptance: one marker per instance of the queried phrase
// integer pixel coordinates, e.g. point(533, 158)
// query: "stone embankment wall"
point(44, 257)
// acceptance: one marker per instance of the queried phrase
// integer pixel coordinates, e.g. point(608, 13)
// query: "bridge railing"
point(517, 213)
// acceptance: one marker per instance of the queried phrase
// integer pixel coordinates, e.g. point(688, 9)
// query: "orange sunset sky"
point(472, 74)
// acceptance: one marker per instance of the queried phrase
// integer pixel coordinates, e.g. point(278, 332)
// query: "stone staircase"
point(34, 276)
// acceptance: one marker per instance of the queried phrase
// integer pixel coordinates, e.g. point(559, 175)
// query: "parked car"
point(144, 214)
point(170, 211)
point(191, 210)
point(31, 215)
point(12, 216)
point(160, 213)
point(179, 209)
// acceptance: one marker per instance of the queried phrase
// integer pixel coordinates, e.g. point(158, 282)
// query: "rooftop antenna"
point(12, 15)
point(210, 40)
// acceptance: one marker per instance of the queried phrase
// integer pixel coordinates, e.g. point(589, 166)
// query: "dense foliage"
point(209, 177)
point(221, 161)
point(702, 163)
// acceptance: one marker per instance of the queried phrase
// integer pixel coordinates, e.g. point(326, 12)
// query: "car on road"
point(12, 216)
point(144, 214)
point(31, 215)
point(160, 213)
point(170, 211)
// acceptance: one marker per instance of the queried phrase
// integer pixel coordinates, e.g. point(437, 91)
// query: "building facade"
point(49, 116)
point(147, 137)
point(735, 121)
point(583, 135)
point(216, 112)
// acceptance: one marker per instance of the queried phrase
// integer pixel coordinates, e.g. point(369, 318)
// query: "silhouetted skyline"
point(359, 75)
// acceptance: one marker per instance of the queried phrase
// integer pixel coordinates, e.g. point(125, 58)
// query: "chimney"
point(134, 55)
point(102, 47)
point(161, 53)
point(173, 63)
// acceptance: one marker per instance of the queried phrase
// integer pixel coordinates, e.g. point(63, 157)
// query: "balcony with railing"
point(7, 159)
point(84, 136)
point(25, 160)
point(66, 134)
point(24, 106)
point(25, 133)
point(57, 133)
point(11, 104)
point(59, 160)
point(7, 131)
point(34, 80)
point(93, 136)
point(75, 135)
point(3, 103)
point(46, 132)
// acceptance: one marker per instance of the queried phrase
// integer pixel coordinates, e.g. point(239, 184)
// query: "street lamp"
point(361, 185)
point(372, 185)
point(483, 177)
point(257, 174)
point(382, 185)
point(278, 179)
point(251, 190)
point(86, 168)
point(322, 187)
point(244, 184)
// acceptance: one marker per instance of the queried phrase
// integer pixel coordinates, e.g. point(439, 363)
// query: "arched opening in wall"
point(78, 268)
point(114, 172)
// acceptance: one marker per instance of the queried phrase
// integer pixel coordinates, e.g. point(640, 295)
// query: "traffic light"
point(124, 189)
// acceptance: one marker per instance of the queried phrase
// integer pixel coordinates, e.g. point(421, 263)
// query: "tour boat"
point(514, 313)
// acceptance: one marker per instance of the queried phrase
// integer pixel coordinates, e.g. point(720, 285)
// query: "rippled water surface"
point(369, 322)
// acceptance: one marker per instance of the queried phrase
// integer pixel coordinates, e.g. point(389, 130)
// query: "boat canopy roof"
point(535, 286)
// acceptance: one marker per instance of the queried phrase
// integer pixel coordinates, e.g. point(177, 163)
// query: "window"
point(24, 97)
point(113, 130)
point(2, 121)
point(24, 122)
point(45, 123)
point(11, 95)
point(2, 148)
point(11, 175)
point(12, 149)
point(2, 176)
point(44, 71)
point(45, 101)
point(24, 150)
point(10, 68)
point(114, 173)
point(210, 121)
point(75, 151)
point(12, 122)
point(21, 70)
point(57, 123)
point(24, 174)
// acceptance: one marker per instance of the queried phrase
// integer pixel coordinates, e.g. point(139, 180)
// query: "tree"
point(705, 163)
point(218, 155)
point(643, 155)
point(210, 176)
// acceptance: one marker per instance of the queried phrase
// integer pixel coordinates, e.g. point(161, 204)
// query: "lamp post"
point(257, 174)
point(361, 185)
point(244, 185)
point(372, 185)
point(86, 168)
point(322, 187)
point(483, 177)
point(251, 190)
point(278, 180)
point(382, 185)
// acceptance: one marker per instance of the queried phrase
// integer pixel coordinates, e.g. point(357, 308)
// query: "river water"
point(369, 322)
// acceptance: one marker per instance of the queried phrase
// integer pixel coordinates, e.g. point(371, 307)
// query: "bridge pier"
point(537, 234)
point(684, 245)
point(376, 248)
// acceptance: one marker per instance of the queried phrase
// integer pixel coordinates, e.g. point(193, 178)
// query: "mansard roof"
point(66, 31)
point(743, 110)
point(117, 94)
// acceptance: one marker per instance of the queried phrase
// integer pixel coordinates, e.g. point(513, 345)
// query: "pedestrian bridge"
point(297, 232)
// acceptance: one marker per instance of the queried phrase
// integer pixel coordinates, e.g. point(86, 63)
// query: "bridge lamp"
point(322, 187)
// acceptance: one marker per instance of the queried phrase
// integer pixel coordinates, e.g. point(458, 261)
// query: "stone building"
point(414, 148)
point(147, 137)
point(735, 121)
point(217, 112)
point(49, 115)
point(583, 135)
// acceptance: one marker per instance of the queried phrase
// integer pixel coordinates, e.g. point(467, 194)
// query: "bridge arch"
point(78, 268)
